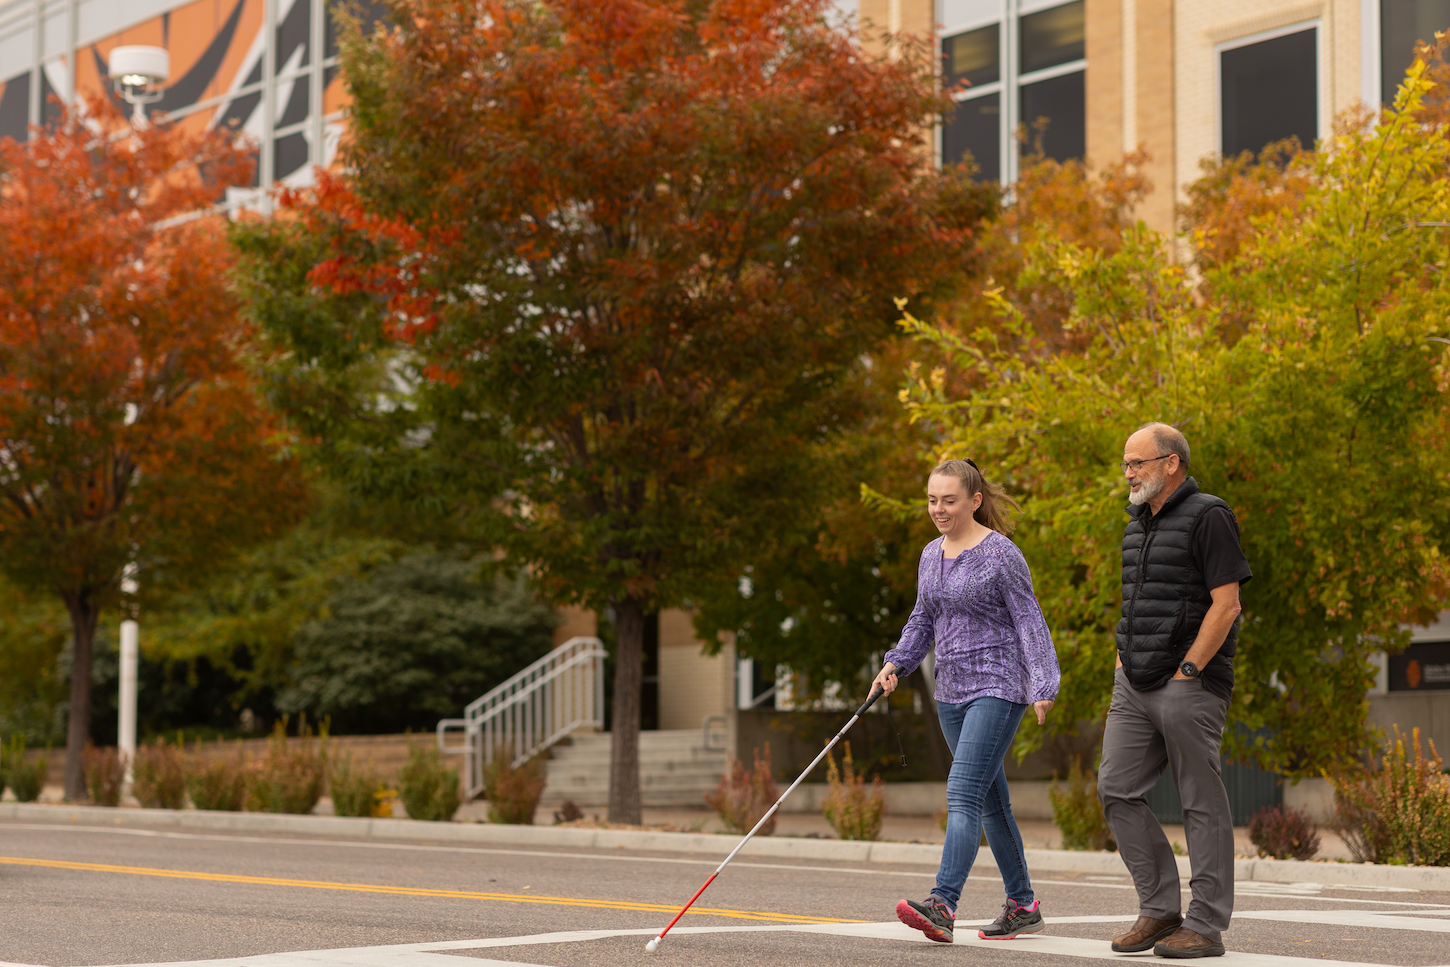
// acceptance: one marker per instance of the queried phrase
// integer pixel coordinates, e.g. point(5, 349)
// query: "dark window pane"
point(1063, 102)
point(290, 154)
point(973, 128)
point(1402, 23)
point(1270, 92)
point(1052, 37)
point(972, 57)
point(15, 108)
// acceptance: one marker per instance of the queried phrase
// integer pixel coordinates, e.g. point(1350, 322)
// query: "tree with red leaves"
point(599, 276)
point(130, 436)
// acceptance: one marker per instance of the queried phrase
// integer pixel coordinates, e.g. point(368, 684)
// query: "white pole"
point(317, 50)
point(130, 658)
point(266, 163)
point(744, 683)
point(37, 66)
point(72, 47)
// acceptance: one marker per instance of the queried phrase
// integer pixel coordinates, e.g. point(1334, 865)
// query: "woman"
point(994, 657)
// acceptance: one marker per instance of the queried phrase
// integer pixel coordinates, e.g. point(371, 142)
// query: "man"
point(1182, 568)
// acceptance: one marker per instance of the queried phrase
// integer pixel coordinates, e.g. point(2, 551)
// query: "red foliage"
point(1284, 833)
point(129, 432)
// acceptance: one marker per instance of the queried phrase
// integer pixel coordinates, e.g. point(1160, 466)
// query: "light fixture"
point(138, 73)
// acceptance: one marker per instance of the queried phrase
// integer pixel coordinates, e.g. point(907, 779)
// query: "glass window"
point(1270, 91)
point(973, 128)
point(1053, 36)
point(1402, 24)
point(1063, 102)
point(15, 107)
point(972, 57)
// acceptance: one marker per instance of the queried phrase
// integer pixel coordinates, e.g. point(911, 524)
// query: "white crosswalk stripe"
point(1055, 944)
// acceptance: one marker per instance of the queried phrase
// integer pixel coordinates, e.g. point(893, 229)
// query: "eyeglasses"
point(1136, 465)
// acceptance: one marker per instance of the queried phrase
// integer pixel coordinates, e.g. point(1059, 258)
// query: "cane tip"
point(653, 945)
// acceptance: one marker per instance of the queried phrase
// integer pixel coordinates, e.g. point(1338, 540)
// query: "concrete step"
point(675, 769)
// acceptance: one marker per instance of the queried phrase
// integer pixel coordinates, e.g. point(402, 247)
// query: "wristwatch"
point(1189, 669)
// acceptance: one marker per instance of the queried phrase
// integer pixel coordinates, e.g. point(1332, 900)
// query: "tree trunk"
point(624, 805)
point(936, 743)
point(83, 618)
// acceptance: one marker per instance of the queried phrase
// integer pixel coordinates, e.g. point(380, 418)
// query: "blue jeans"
point(980, 733)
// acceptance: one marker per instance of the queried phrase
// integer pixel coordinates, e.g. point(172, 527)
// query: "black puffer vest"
point(1165, 597)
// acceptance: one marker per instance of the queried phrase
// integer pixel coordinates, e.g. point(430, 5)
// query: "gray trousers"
point(1180, 724)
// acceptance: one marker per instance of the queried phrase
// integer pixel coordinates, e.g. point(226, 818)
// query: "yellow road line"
point(412, 891)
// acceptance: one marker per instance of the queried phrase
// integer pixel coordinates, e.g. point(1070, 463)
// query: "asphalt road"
point(75, 895)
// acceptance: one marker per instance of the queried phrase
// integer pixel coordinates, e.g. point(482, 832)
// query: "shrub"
point(512, 793)
point(568, 812)
point(1079, 814)
point(218, 783)
point(1356, 817)
point(105, 774)
point(852, 811)
point(289, 778)
point(1399, 812)
point(25, 778)
point(743, 797)
point(414, 642)
point(429, 789)
point(159, 779)
point(361, 793)
point(1284, 833)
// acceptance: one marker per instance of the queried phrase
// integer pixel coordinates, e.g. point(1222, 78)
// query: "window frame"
point(1248, 40)
point(1007, 16)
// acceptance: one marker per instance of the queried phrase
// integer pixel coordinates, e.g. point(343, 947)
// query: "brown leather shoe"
point(1145, 933)
point(1186, 943)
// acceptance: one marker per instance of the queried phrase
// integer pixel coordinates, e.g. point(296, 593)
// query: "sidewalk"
point(1036, 834)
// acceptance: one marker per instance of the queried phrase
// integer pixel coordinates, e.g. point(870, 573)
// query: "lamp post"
point(126, 726)
point(138, 73)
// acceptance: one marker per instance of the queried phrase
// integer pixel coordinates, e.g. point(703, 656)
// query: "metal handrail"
point(706, 732)
point(534, 709)
point(763, 697)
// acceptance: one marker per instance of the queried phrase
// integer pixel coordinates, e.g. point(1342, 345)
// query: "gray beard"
point(1146, 492)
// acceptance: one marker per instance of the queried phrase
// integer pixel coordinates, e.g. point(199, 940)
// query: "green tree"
point(1310, 375)
point(238, 627)
point(34, 629)
point(599, 277)
point(413, 643)
point(828, 592)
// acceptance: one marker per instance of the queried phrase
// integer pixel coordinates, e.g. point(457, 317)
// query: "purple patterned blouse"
point(991, 638)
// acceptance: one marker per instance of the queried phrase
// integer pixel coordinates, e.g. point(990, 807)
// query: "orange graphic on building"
point(282, 88)
point(1412, 673)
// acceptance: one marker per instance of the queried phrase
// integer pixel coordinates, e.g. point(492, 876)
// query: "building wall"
point(1201, 29)
point(1106, 134)
point(577, 623)
point(1154, 100)
point(1427, 711)
point(916, 18)
point(692, 684)
point(1424, 705)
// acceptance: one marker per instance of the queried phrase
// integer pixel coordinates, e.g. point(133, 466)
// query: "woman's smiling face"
point(948, 505)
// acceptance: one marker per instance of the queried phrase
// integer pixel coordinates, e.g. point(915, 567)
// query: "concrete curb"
point(780, 847)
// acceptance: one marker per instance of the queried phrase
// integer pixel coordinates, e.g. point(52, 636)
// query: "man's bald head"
point(1166, 439)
